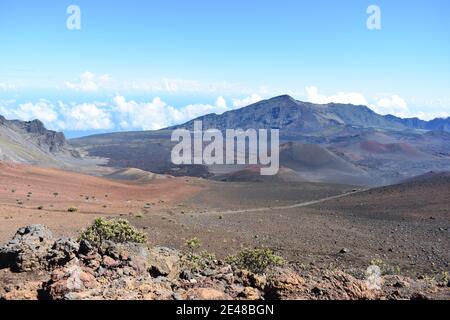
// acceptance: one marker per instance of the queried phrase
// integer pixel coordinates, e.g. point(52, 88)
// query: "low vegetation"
point(197, 260)
point(385, 268)
point(193, 244)
point(116, 230)
point(256, 260)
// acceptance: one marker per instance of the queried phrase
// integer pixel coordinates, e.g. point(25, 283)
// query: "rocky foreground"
point(35, 265)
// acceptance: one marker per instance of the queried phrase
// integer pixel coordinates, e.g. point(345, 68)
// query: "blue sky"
point(145, 64)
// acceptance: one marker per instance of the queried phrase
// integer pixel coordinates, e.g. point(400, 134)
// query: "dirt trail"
point(292, 206)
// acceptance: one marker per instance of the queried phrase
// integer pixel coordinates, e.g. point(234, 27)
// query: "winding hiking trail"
point(292, 206)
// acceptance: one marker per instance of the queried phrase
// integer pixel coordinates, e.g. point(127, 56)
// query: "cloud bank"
point(118, 114)
point(121, 113)
point(91, 82)
point(391, 104)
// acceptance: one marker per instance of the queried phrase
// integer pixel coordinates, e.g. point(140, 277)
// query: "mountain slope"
point(31, 143)
point(438, 124)
point(288, 114)
point(285, 113)
point(331, 143)
point(317, 163)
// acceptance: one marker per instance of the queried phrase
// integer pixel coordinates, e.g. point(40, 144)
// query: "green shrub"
point(116, 230)
point(72, 209)
point(256, 260)
point(199, 261)
point(385, 268)
point(193, 244)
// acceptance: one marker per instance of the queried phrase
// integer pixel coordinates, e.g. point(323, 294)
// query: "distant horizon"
point(77, 134)
point(94, 66)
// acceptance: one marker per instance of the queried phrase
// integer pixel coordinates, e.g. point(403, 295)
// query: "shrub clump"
point(256, 260)
point(193, 244)
point(197, 261)
point(115, 230)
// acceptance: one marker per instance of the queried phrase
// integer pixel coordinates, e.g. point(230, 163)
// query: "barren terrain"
point(404, 226)
point(30, 195)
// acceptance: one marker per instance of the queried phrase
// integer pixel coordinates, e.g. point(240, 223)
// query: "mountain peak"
point(282, 97)
point(36, 126)
point(297, 117)
point(33, 132)
point(282, 100)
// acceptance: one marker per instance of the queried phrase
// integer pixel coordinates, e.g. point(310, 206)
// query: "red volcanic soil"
point(31, 195)
point(406, 225)
point(376, 147)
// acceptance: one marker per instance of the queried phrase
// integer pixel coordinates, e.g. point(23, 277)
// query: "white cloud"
point(397, 106)
point(142, 115)
point(42, 110)
point(180, 86)
point(121, 113)
point(157, 114)
point(193, 111)
point(7, 86)
point(89, 82)
point(430, 115)
point(394, 105)
point(221, 103)
point(104, 78)
point(85, 116)
point(240, 103)
point(313, 95)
